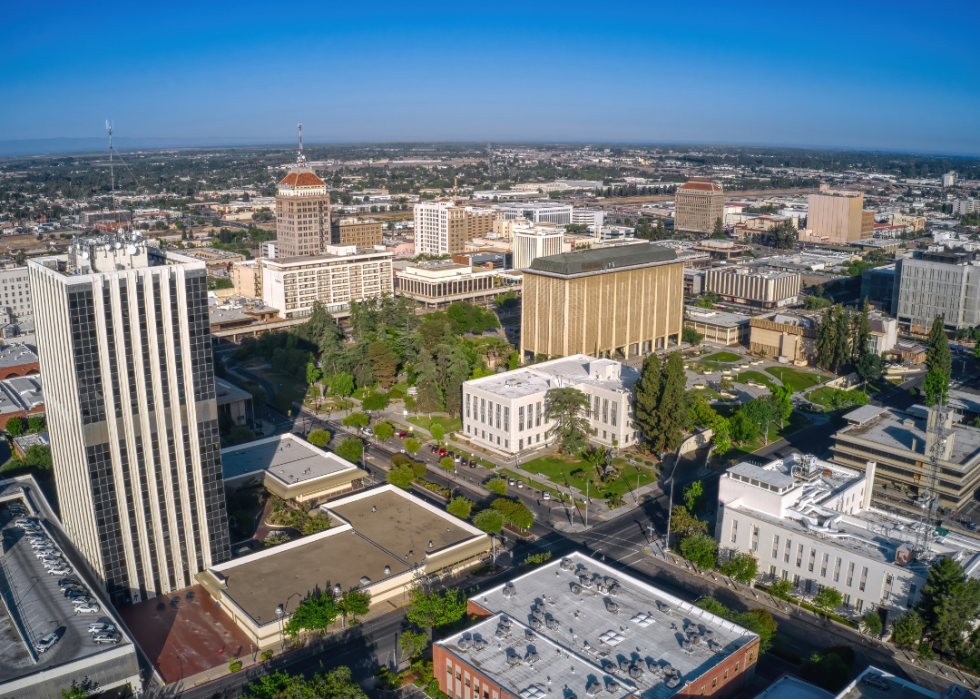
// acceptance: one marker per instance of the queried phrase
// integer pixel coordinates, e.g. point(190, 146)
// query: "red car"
point(402, 434)
point(442, 452)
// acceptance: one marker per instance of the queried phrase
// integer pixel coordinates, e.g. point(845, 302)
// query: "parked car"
point(511, 481)
point(23, 520)
point(47, 642)
point(82, 600)
point(70, 580)
point(87, 609)
point(64, 570)
point(435, 449)
point(972, 526)
point(876, 681)
point(546, 495)
point(457, 457)
point(402, 434)
point(74, 593)
point(442, 451)
point(520, 484)
point(100, 627)
point(367, 431)
point(110, 638)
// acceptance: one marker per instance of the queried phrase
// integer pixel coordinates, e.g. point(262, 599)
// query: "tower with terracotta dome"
point(302, 211)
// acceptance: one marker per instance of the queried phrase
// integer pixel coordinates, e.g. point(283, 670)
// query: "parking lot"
point(35, 603)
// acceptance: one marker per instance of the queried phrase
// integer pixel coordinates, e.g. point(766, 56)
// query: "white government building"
point(812, 522)
point(508, 413)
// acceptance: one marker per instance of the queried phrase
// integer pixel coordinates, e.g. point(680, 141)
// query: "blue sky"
point(861, 74)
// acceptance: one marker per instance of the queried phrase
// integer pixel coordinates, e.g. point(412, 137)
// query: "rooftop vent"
point(636, 672)
point(532, 657)
point(509, 590)
point(387, 570)
point(673, 682)
point(512, 658)
point(430, 544)
point(594, 688)
point(612, 607)
point(567, 564)
point(614, 589)
point(479, 644)
point(585, 581)
point(611, 668)
point(552, 623)
point(535, 623)
point(464, 644)
point(365, 580)
point(337, 590)
point(663, 608)
point(510, 382)
point(374, 508)
point(537, 614)
point(576, 588)
point(624, 665)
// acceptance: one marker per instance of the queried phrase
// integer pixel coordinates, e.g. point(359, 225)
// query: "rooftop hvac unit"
point(535, 623)
point(509, 590)
point(636, 672)
point(673, 682)
point(614, 589)
point(464, 644)
point(513, 659)
point(594, 688)
point(537, 614)
point(567, 564)
point(624, 665)
point(612, 607)
point(532, 657)
point(479, 644)
point(552, 623)
point(612, 687)
point(576, 588)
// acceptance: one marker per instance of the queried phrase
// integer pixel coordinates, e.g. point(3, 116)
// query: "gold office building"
point(615, 302)
point(698, 203)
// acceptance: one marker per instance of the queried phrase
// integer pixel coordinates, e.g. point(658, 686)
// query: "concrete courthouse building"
point(614, 302)
point(698, 204)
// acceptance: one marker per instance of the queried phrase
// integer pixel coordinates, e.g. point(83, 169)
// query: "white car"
point(110, 638)
point(45, 643)
point(87, 609)
point(78, 601)
point(23, 520)
point(64, 570)
point(100, 627)
point(53, 559)
point(367, 431)
point(546, 495)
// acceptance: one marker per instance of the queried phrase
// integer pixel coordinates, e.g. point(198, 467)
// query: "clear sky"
point(861, 74)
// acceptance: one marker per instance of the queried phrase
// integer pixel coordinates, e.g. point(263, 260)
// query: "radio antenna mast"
point(112, 178)
point(936, 435)
point(301, 159)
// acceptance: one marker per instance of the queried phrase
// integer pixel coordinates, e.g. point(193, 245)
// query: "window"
point(734, 530)
point(911, 596)
point(595, 413)
point(864, 578)
point(498, 416)
point(772, 572)
point(605, 410)
point(775, 546)
point(490, 413)
point(847, 601)
point(520, 445)
point(823, 565)
point(726, 674)
point(613, 413)
point(537, 414)
point(859, 605)
point(789, 547)
point(702, 690)
point(796, 580)
point(837, 570)
point(736, 667)
point(506, 419)
point(850, 573)
point(714, 683)
point(467, 405)
point(799, 556)
point(813, 559)
point(588, 405)
point(483, 409)
point(520, 419)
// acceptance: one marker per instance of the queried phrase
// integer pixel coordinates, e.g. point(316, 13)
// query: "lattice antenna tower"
point(112, 178)
point(490, 160)
point(930, 498)
point(301, 159)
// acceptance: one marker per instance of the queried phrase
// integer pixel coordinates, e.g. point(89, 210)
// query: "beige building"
point(698, 204)
point(718, 327)
point(382, 541)
point(352, 231)
point(531, 242)
point(442, 227)
point(335, 278)
point(247, 278)
point(302, 213)
point(131, 412)
point(836, 217)
point(789, 334)
point(916, 223)
point(753, 288)
point(613, 302)
point(440, 283)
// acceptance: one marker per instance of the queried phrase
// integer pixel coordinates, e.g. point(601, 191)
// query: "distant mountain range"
point(57, 146)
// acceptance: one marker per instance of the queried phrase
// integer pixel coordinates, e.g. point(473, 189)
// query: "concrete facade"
point(443, 227)
point(753, 288)
point(718, 327)
point(353, 231)
point(507, 413)
point(835, 217)
point(937, 283)
point(302, 214)
point(247, 278)
point(132, 417)
point(15, 295)
point(440, 283)
point(790, 335)
point(622, 302)
point(532, 242)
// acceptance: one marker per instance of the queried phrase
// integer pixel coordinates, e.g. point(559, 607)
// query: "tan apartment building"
point(352, 231)
point(335, 278)
point(836, 217)
point(531, 242)
point(753, 288)
point(613, 302)
point(302, 214)
point(698, 203)
point(442, 227)
point(789, 334)
point(247, 278)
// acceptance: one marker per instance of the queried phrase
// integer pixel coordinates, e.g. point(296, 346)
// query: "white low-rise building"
point(508, 413)
point(812, 522)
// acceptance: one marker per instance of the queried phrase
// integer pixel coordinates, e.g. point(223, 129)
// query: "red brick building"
point(18, 360)
point(578, 628)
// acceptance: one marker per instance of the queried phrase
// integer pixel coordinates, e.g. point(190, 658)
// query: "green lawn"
point(794, 379)
point(702, 367)
point(795, 423)
point(821, 396)
point(722, 357)
point(560, 470)
point(449, 424)
point(398, 390)
point(754, 377)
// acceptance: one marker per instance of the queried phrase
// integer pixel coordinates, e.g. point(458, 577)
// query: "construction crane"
point(112, 176)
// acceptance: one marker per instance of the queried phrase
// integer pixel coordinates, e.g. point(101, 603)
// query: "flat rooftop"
point(899, 688)
point(789, 687)
point(763, 475)
point(647, 628)
point(20, 393)
point(287, 573)
point(908, 433)
point(722, 319)
point(573, 370)
point(402, 525)
point(285, 457)
point(17, 355)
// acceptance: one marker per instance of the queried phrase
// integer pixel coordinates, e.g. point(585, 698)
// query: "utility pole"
point(670, 510)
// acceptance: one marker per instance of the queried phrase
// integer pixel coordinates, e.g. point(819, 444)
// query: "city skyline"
point(848, 77)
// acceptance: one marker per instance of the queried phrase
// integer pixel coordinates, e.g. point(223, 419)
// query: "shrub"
point(356, 420)
point(401, 460)
point(401, 476)
point(437, 431)
point(419, 468)
point(536, 559)
point(447, 463)
point(319, 438)
point(514, 512)
point(497, 486)
point(412, 445)
point(266, 655)
point(276, 538)
point(15, 427)
point(384, 430)
point(375, 401)
point(234, 665)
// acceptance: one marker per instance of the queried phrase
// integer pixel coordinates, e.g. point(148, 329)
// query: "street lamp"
point(279, 613)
